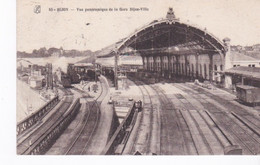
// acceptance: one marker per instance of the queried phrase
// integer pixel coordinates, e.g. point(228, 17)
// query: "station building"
point(240, 59)
point(243, 75)
point(172, 49)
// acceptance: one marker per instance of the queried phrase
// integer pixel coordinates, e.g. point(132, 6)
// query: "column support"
point(169, 67)
point(161, 67)
point(186, 63)
point(144, 64)
point(177, 65)
point(154, 64)
point(227, 62)
point(148, 64)
point(197, 65)
point(211, 68)
point(116, 66)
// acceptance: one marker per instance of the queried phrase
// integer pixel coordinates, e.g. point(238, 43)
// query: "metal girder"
point(206, 41)
point(166, 51)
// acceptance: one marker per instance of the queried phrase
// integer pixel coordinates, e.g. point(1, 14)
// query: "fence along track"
point(24, 145)
point(33, 119)
point(47, 136)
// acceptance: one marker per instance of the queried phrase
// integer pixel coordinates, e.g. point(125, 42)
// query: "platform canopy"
point(169, 36)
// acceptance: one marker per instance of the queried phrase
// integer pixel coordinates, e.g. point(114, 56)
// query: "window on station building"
point(192, 70)
point(234, 65)
point(205, 71)
point(221, 67)
point(200, 69)
point(253, 65)
point(249, 65)
point(216, 69)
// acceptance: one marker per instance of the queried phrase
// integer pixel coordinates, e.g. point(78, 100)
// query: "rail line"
point(147, 109)
point(66, 92)
point(238, 130)
point(80, 143)
point(239, 110)
point(212, 136)
point(25, 145)
point(173, 127)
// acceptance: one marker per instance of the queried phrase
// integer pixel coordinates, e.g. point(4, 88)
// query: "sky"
point(236, 19)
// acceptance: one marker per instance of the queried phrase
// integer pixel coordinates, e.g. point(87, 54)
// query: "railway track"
point(199, 132)
point(90, 122)
point(86, 132)
point(243, 133)
point(66, 92)
point(84, 94)
point(233, 105)
point(24, 145)
point(207, 137)
point(174, 134)
point(143, 143)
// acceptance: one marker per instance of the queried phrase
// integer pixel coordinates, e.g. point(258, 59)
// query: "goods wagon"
point(248, 94)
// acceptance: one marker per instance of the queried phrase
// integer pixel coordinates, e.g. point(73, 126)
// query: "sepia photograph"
point(178, 77)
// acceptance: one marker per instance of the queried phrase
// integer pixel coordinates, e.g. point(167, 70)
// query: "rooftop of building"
point(249, 72)
point(83, 64)
point(245, 87)
point(236, 56)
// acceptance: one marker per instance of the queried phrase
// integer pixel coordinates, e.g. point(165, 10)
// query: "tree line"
point(43, 52)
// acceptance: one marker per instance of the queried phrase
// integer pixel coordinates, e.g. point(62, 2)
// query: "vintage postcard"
point(143, 77)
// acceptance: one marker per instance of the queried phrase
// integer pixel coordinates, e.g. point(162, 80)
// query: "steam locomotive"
point(78, 72)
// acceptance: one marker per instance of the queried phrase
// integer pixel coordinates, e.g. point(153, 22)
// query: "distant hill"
point(43, 52)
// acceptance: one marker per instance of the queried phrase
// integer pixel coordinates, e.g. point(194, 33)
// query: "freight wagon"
point(248, 94)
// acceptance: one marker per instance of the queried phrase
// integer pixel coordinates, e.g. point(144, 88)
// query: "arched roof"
point(168, 36)
point(172, 36)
